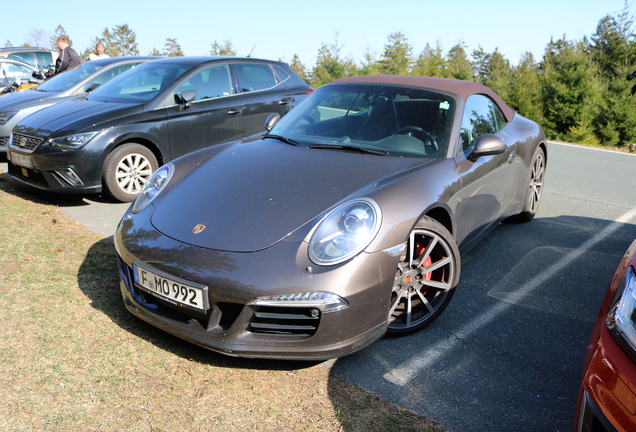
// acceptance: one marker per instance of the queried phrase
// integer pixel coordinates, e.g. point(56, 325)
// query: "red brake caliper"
point(419, 250)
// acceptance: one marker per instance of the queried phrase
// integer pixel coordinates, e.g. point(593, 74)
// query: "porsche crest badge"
point(198, 229)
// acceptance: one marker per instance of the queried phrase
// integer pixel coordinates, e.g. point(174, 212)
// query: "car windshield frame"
point(140, 84)
point(69, 78)
point(393, 119)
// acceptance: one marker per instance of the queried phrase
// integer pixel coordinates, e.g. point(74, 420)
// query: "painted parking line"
point(404, 373)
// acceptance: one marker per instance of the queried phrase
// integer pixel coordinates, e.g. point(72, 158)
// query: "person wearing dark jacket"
point(68, 58)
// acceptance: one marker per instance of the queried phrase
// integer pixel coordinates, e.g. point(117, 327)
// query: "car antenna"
point(250, 54)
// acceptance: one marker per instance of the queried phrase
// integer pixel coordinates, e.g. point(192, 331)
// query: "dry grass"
point(73, 359)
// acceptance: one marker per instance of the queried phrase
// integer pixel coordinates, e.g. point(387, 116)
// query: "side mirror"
point(92, 87)
point(487, 145)
point(271, 121)
point(184, 99)
point(39, 75)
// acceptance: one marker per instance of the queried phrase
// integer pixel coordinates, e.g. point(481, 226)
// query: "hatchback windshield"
point(140, 84)
point(68, 79)
point(399, 121)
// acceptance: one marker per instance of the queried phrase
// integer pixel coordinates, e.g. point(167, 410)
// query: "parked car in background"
point(607, 397)
point(42, 58)
point(68, 85)
point(343, 223)
point(16, 70)
point(114, 139)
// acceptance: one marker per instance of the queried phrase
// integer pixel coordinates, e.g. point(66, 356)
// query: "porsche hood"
point(249, 196)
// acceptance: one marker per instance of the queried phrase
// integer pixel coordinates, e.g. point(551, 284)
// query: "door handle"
point(284, 101)
point(234, 111)
point(512, 157)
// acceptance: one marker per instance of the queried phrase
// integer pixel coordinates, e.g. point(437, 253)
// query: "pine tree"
point(329, 66)
point(172, 48)
point(370, 65)
point(480, 64)
point(431, 62)
point(613, 50)
point(223, 50)
point(525, 93)
point(570, 92)
point(498, 75)
point(397, 56)
point(122, 41)
point(299, 68)
point(457, 64)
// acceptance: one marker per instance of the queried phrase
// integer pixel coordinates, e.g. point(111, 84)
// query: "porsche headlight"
point(6, 116)
point(155, 184)
point(345, 232)
point(621, 320)
point(71, 142)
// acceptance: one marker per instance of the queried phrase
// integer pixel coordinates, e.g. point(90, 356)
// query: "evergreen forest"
point(580, 91)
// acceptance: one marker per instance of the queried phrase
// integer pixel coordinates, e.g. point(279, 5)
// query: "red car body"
point(607, 397)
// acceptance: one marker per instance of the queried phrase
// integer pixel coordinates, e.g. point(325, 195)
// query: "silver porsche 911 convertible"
point(342, 223)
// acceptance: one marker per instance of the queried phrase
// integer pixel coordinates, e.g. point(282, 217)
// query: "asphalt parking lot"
point(508, 352)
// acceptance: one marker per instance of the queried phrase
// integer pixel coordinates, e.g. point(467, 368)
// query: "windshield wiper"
point(350, 148)
point(283, 139)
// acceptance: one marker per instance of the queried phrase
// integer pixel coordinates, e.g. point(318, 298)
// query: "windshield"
point(399, 120)
point(140, 84)
point(68, 79)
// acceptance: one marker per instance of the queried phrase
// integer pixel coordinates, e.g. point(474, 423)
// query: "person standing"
point(68, 58)
point(99, 52)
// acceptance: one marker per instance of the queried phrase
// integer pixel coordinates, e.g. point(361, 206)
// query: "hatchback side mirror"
point(92, 87)
point(184, 99)
point(487, 145)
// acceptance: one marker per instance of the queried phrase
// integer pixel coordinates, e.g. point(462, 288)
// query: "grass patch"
point(73, 359)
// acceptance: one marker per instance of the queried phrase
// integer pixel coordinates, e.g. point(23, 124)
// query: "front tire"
point(425, 280)
point(126, 170)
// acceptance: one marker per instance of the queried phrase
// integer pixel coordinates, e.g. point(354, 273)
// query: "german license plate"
point(21, 159)
point(171, 289)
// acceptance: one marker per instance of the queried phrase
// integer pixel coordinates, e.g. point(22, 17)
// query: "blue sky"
point(278, 30)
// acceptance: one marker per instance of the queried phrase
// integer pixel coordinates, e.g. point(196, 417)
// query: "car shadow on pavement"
point(508, 352)
point(43, 197)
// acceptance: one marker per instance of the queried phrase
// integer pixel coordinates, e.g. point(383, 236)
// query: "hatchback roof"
point(192, 60)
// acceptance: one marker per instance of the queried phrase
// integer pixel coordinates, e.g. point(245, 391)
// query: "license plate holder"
point(21, 159)
point(171, 289)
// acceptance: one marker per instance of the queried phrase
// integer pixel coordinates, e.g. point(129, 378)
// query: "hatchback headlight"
point(71, 142)
point(155, 184)
point(6, 116)
point(345, 232)
point(621, 321)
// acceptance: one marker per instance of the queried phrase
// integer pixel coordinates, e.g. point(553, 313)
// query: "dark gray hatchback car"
point(71, 84)
point(114, 139)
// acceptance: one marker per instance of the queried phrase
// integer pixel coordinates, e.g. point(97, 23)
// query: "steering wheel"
point(426, 137)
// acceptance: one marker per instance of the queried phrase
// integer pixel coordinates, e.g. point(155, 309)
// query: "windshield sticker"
point(444, 105)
